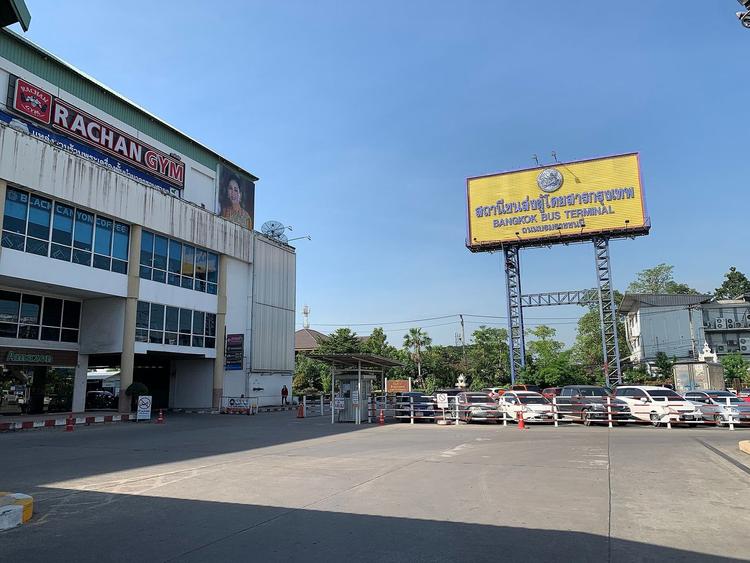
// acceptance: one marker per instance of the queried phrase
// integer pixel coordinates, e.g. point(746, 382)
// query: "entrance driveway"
point(277, 488)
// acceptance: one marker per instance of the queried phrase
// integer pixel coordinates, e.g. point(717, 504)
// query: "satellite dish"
point(273, 229)
point(282, 238)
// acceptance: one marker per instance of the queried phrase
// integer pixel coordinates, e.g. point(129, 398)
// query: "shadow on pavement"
point(101, 527)
point(31, 458)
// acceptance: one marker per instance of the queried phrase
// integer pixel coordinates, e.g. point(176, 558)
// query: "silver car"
point(719, 406)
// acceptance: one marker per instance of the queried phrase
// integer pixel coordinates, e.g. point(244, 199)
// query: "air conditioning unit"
point(745, 345)
point(720, 348)
point(720, 323)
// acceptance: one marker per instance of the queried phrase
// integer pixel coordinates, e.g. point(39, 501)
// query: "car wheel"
point(468, 418)
point(586, 415)
point(655, 420)
point(717, 419)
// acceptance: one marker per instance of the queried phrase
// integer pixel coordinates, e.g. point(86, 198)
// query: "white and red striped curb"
point(54, 422)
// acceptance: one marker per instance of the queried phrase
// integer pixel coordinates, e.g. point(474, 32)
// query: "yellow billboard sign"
point(563, 202)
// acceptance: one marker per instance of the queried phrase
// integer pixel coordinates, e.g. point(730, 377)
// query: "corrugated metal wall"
point(274, 289)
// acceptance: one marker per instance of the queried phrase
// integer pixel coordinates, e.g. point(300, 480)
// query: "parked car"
point(524, 387)
point(550, 392)
point(477, 406)
point(713, 405)
point(658, 405)
point(424, 406)
point(100, 400)
point(534, 407)
point(744, 394)
point(588, 403)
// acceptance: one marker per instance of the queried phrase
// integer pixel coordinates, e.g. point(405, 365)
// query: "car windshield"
point(478, 399)
point(721, 398)
point(532, 400)
point(592, 392)
point(664, 395)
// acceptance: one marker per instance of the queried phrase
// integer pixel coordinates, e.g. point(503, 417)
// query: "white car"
point(720, 406)
point(532, 406)
point(659, 405)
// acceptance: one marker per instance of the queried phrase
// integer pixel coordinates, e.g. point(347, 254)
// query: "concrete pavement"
point(276, 488)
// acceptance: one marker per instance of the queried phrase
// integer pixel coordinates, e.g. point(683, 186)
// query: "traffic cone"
point(160, 418)
point(381, 418)
point(300, 411)
point(521, 423)
point(69, 422)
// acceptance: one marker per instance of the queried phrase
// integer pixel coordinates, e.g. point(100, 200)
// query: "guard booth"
point(352, 379)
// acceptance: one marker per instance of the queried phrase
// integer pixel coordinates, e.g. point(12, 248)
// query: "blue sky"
point(364, 119)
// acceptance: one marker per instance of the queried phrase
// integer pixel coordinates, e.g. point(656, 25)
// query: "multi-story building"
point(726, 323)
point(663, 323)
point(126, 244)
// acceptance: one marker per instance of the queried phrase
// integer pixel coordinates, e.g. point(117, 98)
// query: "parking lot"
point(274, 487)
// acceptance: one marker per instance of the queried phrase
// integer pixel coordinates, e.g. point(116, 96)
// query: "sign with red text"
point(78, 124)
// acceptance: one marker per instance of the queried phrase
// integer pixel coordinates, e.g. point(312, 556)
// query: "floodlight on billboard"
point(564, 202)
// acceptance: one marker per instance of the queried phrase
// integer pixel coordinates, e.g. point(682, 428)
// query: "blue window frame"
point(83, 237)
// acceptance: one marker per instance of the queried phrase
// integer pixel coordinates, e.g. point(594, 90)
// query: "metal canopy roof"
point(353, 360)
point(631, 301)
point(14, 11)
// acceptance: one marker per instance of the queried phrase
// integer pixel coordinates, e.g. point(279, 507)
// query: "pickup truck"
point(588, 403)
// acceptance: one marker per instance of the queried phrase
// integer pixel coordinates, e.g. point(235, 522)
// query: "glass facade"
point(162, 324)
point(169, 261)
point(35, 317)
point(38, 225)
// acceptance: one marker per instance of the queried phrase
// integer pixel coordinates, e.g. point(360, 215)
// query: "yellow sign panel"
point(558, 203)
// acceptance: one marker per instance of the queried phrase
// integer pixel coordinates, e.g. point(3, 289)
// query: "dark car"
point(423, 405)
point(550, 392)
point(100, 400)
point(588, 403)
point(477, 406)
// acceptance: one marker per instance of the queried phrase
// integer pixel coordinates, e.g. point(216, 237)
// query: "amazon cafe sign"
point(28, 357)
point(70, 127)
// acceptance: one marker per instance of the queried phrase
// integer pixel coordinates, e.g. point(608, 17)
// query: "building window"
point(14, 219)
point(34, 317)
point(103, 243)
point(169, 261)
point(175, 263)
point(156, 324)
point(160, 324)
point(41, 226)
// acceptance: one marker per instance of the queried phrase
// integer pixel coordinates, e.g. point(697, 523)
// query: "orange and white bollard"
point(160, 418)
point(300, 411)
point(381, 418)
point(521, 423)
point(69, 423)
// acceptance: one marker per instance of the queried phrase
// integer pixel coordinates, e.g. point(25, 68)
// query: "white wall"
point(667, 329)
point(102, 325)
point(62, 275)
point(193, 384)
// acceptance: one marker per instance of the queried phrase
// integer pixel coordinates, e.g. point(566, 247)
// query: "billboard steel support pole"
point(607, 312)
point(516, 342)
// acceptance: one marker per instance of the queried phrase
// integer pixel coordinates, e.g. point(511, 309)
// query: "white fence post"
point(411, 409)
point(731, 418)
point(304, 406)
point(554, 410)
point(609, 410)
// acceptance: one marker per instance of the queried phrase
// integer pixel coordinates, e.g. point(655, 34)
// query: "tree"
point(664, 364)
point(587, 349)
point(488, 358)
point(658, 279)
point(415, 341)
point(735, 284)
point(342, 341)
point(309, 374)
point(377, 343)
point(550, 365)
point(735, 366)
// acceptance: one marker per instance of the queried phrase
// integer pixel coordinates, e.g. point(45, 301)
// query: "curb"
point(60, 422)
point(15, 509)
point(745, 446)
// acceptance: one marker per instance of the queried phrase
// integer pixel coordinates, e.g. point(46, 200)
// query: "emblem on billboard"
point(32, 101)
point(549, 180)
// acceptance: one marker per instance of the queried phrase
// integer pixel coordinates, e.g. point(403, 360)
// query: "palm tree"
point(414, 341)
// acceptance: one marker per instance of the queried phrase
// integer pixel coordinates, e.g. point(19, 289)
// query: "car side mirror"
point(644, 400)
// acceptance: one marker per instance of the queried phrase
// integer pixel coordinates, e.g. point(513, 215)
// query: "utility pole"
point(463, 343)
point(692, 333)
